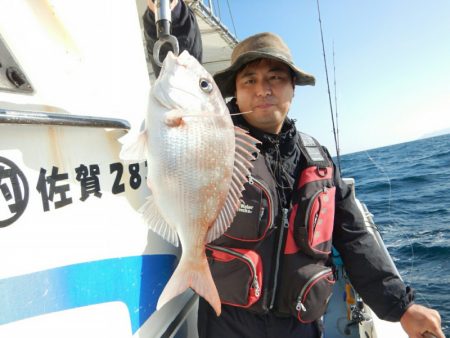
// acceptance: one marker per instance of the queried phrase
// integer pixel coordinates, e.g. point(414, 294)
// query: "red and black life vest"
point(273, 259)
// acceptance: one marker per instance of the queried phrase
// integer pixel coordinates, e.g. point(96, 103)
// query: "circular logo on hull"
point(13, 192)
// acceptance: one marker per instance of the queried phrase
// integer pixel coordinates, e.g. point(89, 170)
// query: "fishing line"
point(279, 169)
point(380, 168)
point(241, 113)
point(388, 179)
point(215, 115)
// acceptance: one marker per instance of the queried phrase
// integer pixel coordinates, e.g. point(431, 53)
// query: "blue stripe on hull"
point(136, 281)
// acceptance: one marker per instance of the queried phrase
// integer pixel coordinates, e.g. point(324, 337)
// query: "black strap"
point(313, 151)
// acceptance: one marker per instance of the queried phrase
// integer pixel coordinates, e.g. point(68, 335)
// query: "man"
point(261, 79)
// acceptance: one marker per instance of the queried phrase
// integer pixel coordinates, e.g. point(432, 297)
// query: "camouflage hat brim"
point(226, 78)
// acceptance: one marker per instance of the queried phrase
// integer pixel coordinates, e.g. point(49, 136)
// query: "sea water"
point(407, 189)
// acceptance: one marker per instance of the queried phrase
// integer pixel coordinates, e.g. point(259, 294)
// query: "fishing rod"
point(336, 141)
point(335, 105)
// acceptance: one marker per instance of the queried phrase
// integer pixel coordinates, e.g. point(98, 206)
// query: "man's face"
point(265, 87)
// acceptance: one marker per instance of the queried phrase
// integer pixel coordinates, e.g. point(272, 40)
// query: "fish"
point(198, 163)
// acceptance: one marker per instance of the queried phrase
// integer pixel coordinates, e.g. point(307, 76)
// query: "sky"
point(391, 60)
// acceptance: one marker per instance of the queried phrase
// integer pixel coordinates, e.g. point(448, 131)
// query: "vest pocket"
point(255, 215)
point(237, 274)
point(314, 233)
point(309, 291)
point(313, 297)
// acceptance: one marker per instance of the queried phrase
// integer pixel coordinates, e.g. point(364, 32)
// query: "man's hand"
point(418, 320)
point(151, 5)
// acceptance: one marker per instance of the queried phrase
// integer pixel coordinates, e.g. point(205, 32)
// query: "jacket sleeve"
point(184, 27)
point(368, 264)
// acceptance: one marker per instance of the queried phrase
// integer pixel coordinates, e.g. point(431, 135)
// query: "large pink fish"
point(198, 163)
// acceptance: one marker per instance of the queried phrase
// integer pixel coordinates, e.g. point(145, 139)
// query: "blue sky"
point(392, 60)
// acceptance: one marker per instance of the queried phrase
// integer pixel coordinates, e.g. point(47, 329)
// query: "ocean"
point(407, 189)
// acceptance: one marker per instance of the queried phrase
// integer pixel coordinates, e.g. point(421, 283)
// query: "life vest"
point(273, 259)
point(307, 278)
point(313, 203)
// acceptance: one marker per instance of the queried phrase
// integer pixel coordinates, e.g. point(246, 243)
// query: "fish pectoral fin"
point(156, 222)
point(136, 150)
point(245, 153)
point(173, 118)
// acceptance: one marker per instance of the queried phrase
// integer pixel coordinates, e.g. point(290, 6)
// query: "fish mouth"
point(162, 96)
point(168, 61)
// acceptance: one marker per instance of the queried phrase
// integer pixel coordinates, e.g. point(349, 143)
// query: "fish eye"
point(206, 85)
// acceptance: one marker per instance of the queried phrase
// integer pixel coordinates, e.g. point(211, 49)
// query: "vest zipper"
point(284, 225)
point(300, 306)
point(255, 282)
point(308, 209)
point(252, 181)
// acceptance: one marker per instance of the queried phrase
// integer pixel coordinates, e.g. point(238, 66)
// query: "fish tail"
point(199, 279)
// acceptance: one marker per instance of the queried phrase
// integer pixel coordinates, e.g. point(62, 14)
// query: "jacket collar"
point(285, 141)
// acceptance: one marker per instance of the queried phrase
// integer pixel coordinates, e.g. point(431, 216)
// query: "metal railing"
point(8, 116)
point(207, 13)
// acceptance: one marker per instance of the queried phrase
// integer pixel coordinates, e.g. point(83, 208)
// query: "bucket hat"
point(263, 45)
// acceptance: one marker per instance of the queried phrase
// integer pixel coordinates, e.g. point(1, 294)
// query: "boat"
point(76, 257)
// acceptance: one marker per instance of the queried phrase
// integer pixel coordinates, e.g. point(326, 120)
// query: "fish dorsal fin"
point(156, 222)
point(246, 151)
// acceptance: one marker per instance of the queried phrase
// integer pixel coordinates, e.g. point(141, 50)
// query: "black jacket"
point(367, 265)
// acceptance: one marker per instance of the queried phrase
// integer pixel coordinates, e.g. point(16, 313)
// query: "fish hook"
point(163, 18)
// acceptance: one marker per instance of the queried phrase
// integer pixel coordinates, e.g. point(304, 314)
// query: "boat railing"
point(207, 13)
point(8, 116)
